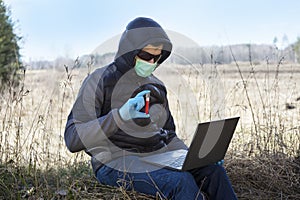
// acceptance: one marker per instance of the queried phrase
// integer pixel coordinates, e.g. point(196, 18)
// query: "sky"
point(72, 28)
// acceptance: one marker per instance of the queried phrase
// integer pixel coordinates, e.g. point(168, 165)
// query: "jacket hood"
point(139, 33)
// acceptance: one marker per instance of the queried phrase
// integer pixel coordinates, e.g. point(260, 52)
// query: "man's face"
point(153, 51)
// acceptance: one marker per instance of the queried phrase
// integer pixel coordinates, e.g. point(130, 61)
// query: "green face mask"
point(144, 68)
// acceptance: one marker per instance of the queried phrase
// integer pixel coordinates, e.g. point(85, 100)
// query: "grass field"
point(262, 161)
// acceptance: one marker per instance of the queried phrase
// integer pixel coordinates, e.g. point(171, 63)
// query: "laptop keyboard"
point(178, 162)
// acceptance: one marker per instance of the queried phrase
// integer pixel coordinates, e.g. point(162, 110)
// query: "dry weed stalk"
point(262, 159)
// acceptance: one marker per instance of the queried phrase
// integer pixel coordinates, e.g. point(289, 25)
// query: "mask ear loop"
point(158, 59)
point(135, 57)
point(157, 65)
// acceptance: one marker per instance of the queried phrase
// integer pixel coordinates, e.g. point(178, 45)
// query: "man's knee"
point(213, 170)
point(184, 178)
point(186, 187)
point(219, 170)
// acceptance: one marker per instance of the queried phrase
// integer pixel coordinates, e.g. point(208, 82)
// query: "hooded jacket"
point(94, 124)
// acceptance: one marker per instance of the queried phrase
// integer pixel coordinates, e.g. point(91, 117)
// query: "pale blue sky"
point(53, 28)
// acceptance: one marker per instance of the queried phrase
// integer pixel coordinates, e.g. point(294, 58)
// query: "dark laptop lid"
point(210, 142)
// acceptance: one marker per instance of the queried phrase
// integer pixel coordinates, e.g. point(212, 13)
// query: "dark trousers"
point(131, 173)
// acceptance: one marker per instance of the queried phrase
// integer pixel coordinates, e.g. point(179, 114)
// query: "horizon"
point(71, 29)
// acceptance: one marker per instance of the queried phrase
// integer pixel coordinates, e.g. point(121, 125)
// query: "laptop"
point(209, 145)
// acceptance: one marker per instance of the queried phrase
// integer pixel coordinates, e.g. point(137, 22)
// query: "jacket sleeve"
point(84, 130)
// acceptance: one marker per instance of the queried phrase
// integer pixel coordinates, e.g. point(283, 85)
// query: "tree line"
point(227, 54)
point(257, 54)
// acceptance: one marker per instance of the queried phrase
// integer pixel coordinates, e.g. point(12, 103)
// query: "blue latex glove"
point(221, 162)
point(131, 108)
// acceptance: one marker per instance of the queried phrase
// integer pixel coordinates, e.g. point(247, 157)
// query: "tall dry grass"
point(262, 161)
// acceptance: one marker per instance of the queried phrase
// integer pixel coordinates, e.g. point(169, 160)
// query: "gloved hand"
point(130, 110)
point(221, 162)
point(157, 93)
point(157, 97)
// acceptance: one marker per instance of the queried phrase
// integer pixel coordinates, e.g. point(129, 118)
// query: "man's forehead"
point(152, 47)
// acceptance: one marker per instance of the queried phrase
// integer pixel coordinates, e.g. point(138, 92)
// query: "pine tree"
point(9, 50)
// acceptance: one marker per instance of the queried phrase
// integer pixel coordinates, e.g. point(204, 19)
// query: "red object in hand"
point(147, 103)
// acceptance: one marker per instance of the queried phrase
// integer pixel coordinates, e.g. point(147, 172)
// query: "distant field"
point(266, 97)
point(196, 94)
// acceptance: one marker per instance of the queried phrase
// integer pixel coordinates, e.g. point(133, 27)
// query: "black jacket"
point(94, 124)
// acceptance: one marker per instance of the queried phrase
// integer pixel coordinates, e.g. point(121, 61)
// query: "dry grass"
point(272, 177)
point(262, 159)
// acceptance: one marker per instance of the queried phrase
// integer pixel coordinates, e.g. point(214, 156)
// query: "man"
point(108, 121)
